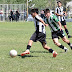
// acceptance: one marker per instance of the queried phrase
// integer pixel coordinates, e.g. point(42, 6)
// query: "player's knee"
point(56, 43)
point(44, 47)
point(65, 39)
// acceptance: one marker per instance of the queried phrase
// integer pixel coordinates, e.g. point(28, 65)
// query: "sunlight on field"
point(16, 35)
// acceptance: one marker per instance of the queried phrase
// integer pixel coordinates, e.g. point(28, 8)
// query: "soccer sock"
point(66, 30)
point(61, 46)
point(28, 47)
point(50, 50)
point(69, 43)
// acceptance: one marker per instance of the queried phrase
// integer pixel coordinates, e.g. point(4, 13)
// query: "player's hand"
point(61, 28)
point(62, 15)
point(46, 24)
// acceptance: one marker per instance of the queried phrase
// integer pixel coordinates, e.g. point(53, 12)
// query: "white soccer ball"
point(13, 53)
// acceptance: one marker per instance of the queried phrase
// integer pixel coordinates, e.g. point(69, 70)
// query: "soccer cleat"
point(65, 49)
point(54, 54)
point(26, 52)
point(69, 36)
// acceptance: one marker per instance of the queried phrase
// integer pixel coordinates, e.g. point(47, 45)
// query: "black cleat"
point(69, 36)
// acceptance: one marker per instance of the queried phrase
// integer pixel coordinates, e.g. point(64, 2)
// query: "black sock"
point(69, 44)
point(28, 47)
point(66, 30)
point(61, 46)
point(50, 50)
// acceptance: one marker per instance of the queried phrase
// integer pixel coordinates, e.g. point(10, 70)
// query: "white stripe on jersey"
point(59, 10)
point(38, 25)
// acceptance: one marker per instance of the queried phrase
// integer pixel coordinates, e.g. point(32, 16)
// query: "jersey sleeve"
point(55, 18)
point(37, 18)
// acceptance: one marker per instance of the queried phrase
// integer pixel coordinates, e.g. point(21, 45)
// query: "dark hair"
point(34, 10)
point(47, 11)
point(59, 1)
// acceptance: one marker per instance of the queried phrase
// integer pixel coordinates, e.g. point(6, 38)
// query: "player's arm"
point(43, 22)
point(65, 13)
point(39, 19)
point(56, 12)
point(60, 25)
point(57, 21)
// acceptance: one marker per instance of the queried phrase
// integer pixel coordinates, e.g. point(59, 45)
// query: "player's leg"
point(65, 27)
point(56, 42)
point(62, 35)
point(66, 30)
point(49, 49)
point(67, 41)
point(32, 39)
point(28, 48)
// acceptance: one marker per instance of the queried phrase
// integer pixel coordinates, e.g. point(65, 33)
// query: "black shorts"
point(41, 37)
point(58, 33)
point(63, 22)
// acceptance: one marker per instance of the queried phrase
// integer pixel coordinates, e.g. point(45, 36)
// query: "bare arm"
point(58, 14)
point(60, 25)
point(43, 22)
point(65, 13)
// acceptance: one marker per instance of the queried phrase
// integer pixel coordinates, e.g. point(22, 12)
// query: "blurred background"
point(19, 10)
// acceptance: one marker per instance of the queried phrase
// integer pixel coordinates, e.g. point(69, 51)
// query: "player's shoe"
point(26, 52)
point(66, 49)
point(71, 46)
point(69, 36)
point(54, 54)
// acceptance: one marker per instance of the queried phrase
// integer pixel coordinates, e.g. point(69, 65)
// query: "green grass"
point(16, 35)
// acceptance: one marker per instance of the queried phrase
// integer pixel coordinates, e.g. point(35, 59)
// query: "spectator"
point(11, 16)
point(42, 15)
point(17, 15)
point(25, 14)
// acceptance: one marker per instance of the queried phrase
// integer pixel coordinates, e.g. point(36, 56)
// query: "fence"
point(6, 8)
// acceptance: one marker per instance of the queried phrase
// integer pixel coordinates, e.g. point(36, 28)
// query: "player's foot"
point(26, 52)
point(69, 36)
point(66, 49)
point(54, 54)
point(71, 46)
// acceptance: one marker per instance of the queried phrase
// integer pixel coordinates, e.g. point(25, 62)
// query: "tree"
point(41, 4)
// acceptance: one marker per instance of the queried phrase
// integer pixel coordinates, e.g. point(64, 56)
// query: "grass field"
point(16, 35)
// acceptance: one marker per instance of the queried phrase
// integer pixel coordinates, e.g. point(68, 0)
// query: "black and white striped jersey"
point(60, 10)
point(38, 25)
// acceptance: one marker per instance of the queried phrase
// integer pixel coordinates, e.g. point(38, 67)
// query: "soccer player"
point(56, 30)
point(39, 34)
point(61, 13)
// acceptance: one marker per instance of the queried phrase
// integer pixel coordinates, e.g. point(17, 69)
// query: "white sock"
point(65, 48)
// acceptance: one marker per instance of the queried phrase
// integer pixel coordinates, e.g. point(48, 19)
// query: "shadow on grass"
point(39, 52)
point(27, 56)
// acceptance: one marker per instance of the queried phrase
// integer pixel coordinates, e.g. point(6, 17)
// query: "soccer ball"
point(13, 53)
